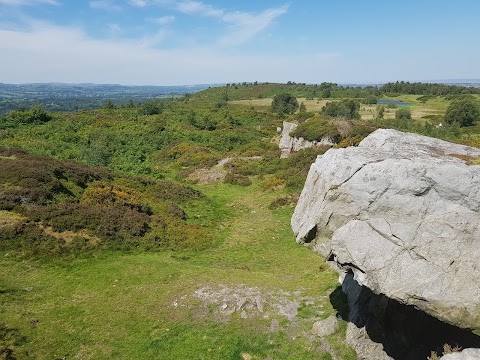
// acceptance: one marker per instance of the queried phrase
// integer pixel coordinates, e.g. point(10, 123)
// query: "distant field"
point(312, 105)
point(435, 106)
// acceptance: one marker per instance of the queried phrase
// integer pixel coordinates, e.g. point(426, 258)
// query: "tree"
point(347, 108)
point(403, 114)
point(284, 104)
point(302, 108)
point(462, 112)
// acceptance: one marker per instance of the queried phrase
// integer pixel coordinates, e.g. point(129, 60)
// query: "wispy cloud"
point(197, 7)
point(54, 53)
point(138, 3)
point(104, 5)
point(164, 20)
point(27, 2)
point(243, 26)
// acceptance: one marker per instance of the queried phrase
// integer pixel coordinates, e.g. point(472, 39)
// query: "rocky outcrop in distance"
point(401, 214)
point(289, 144)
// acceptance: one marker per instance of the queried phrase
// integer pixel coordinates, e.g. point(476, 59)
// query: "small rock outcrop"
point(289, 144)
point(401, 212)
point(325, 327)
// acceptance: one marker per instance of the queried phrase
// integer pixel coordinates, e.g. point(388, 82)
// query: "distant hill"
point(70, 97)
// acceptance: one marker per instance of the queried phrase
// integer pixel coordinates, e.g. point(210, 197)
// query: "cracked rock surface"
point(402, 212)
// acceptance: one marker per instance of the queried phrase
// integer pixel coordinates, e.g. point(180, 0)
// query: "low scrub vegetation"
point(87, 208)
point(316, 129)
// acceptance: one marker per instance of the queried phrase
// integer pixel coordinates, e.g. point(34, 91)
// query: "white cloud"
point(243, 26)
point(164, 20)
point(27, 2)
point(51, 53)
point(138, 3)
point(104, 5)
point(197, 7)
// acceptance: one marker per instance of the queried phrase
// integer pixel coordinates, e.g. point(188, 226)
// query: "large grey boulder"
point(402, 213)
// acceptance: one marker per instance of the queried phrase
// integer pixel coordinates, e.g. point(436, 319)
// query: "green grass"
point(119, 305)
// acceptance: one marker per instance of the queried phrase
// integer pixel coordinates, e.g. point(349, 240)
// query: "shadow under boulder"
point(382, 328)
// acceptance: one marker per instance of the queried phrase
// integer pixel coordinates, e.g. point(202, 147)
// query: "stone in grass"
point(325, 327)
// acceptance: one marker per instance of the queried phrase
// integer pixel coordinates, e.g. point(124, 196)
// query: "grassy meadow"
point(120, 305)
point(163, 232)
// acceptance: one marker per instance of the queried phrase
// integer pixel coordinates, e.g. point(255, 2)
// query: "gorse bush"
point(273, 183)
point(315, 129)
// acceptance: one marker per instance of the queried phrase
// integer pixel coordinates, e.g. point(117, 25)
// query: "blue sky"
point(166, 42)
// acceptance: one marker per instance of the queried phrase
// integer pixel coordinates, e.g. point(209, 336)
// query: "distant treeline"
point(327, 90)
point(418, 88)
point(400, 87)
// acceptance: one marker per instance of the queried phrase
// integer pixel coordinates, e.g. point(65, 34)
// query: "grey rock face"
point(289, 144)
point(325, 327)
point(402, 212)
